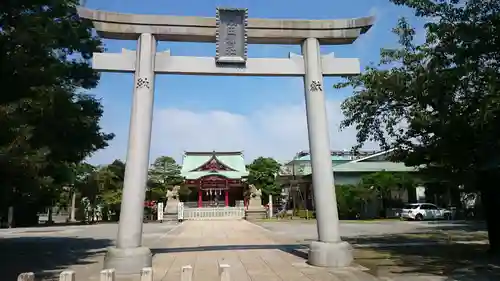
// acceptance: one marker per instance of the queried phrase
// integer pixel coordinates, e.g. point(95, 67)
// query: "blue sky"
point(263, 116)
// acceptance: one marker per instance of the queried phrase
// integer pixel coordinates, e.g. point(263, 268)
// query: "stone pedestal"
point(330, 254)
point(128, 261)
point(255, 209)
point(255, 214)
point(171, 207)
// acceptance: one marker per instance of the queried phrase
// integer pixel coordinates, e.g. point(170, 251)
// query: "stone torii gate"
point(232, 31)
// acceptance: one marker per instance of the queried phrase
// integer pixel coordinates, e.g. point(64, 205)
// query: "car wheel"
point(447, 217)
point(419, 217)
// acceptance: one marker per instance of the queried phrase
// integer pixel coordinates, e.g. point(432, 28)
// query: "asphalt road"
point(49, 250)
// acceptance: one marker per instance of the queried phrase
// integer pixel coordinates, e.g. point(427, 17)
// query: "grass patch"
point(300, 219)
point(396, 256)
point(370, 220)
point(288, 219)
point(450, 235)
point(450, 260)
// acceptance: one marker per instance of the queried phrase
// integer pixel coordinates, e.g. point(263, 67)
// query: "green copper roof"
point(364, 167)
point(233, 160)
point(371, 163)
point(373, 166)
point(338, 155)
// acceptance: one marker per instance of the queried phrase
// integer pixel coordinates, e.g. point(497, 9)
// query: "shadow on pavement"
point(294, 249)
point(457, 225)
point(440, 253)
point(46, 256)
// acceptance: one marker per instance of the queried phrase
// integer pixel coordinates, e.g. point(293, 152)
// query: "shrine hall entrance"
point(217, 178)
point(219, 196)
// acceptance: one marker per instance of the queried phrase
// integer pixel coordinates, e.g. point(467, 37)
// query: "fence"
point(145, 275)
point(210, 213)
point(204, 204)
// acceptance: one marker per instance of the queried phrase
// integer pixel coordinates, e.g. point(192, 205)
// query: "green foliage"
point(164, 174)
point(110, 179)
point(305, 214)
point(386, 182)
point(48, 123)
point(383, 182)
point(263, 173)
point(351, 199)
point(101, 187)
point(438, 104)
point(184, 193)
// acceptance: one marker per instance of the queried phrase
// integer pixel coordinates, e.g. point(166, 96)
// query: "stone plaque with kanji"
point(231, 41)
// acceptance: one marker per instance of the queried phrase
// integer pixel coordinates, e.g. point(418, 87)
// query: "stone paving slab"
point(251, 251)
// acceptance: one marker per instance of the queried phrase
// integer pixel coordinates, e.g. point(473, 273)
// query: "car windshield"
point(411, 206)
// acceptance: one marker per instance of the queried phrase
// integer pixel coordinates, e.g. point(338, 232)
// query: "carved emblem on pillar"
point(142, 83)
point(315, 86)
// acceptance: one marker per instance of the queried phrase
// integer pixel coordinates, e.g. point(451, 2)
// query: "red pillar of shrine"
point(226, 197)
point(226, 194)
point(200, 198)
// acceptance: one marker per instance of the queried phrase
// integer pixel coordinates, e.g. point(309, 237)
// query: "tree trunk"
point(490, 194)
point(73, 206)
point(49, 219)
point(10, 217)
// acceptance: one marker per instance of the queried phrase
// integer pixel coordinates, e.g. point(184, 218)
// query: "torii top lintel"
point(113, 25)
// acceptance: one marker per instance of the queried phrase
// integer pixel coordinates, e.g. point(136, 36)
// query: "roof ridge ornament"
point(213, 165)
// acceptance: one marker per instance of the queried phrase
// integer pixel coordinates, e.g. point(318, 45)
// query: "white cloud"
point(274, 131)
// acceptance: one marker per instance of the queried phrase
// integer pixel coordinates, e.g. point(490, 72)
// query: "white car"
point(424, 211)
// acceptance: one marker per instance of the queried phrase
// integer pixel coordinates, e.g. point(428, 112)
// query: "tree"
point(385, 183)
point(48, 121)
point(263, 173)
point(164, 174)
point(80, 174)
point(351, 199)
point(438, 104)
point(111, 179)
point(101, 190)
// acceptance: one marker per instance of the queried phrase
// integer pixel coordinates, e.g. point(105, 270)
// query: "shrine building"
point(217, 177)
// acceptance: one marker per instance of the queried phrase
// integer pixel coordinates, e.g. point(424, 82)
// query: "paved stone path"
point(253, 253)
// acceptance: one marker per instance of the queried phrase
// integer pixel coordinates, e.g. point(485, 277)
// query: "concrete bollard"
point(26, 276)
point(107, 275)
point(187, 273)
point(147, 274)
point(67, 275)
point(224, 272)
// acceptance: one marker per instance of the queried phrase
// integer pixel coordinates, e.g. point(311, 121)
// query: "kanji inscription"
point(142, 83)
point(315, 86)
point(231, 36)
